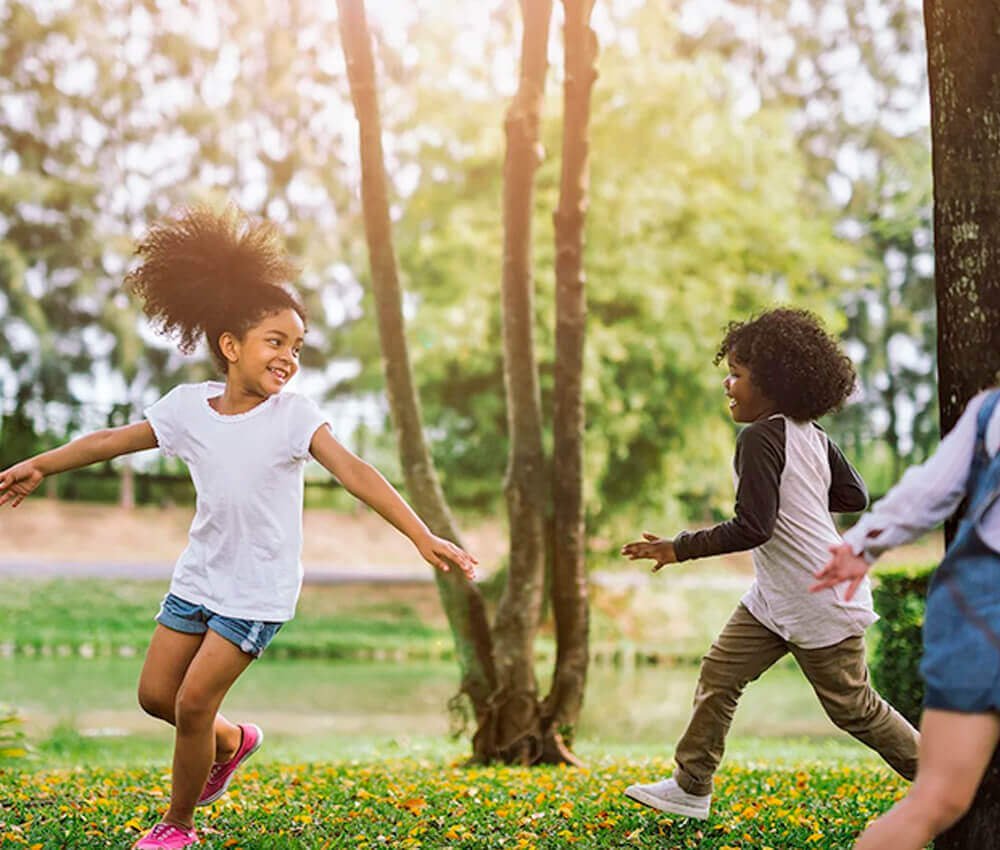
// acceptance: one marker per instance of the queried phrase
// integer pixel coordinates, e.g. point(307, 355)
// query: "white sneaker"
point(668, 796)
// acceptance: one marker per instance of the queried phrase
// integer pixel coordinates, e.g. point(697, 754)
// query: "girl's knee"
point(155, 703)
point(193, 709)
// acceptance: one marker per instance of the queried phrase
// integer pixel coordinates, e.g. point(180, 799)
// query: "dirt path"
point(43, 537)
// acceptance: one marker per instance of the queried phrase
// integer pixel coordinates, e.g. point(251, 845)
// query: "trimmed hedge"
point(900, 597)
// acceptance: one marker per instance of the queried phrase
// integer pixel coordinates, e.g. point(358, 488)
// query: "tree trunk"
point(561, 709)
point(514, 734)
point(461, 599)
point(126, 493)
point(965, 128)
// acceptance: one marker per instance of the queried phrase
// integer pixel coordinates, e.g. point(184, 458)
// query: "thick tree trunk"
point(964, 73)
point(514, 734)
point(462, 601)
point(561, 708)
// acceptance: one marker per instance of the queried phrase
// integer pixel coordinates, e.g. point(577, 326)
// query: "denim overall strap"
point(975, 493)
point(982, 490)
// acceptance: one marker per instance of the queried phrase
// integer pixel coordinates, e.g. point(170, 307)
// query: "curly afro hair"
point(203, 273)
point(792, 360)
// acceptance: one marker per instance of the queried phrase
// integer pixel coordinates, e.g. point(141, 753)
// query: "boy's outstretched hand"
point(843, 566)
point(438, 552)
point(18, 481)
point(660, 549)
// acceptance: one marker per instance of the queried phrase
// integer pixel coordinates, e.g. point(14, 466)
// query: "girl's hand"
point(18, 481)
point(441, 553)
point(659, 549)
point(843, 566)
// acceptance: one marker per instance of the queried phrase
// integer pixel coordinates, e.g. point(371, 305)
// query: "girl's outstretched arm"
point(19, 480)
point(366, 483)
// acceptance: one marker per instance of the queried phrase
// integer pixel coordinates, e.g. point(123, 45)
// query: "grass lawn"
point(434, 802)
point(105, 616)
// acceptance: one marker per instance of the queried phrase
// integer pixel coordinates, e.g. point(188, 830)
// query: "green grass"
point(108, 616)
point(433, 803)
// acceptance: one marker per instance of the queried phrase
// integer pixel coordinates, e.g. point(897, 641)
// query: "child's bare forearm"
point(96, 447)
point(370, 487)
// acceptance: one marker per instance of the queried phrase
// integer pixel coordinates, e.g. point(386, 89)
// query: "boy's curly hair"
point(204, 272)
point(792, 360)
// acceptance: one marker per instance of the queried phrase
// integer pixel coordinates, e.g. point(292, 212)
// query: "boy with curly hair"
point(785, 371)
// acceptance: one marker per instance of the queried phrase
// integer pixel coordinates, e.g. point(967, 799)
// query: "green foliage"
point(696, 217)
point(900, 595)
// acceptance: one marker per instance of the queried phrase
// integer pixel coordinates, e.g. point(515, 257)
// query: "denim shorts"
point(251, 636)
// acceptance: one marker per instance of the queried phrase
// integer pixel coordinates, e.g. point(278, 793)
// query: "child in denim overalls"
point(960, 726)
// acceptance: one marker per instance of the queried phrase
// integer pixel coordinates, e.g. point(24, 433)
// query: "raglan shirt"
point(789, 476)
point(243, 557)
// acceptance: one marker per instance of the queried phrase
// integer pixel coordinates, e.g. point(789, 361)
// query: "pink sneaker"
point(222, 772)
point(166, 836)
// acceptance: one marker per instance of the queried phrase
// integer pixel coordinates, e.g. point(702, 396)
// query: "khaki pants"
point(838, 674)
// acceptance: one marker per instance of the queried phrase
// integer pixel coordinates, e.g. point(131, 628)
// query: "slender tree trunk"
point(561, 709)
point(462, 601)
point(962, 44)
point(126, 495)
point(514, 734)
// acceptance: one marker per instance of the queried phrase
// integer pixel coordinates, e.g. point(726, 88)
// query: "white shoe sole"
point(670, 807)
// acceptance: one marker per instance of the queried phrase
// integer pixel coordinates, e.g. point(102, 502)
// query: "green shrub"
point(900, 595)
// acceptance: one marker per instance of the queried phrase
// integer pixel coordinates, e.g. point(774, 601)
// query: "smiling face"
point(267, 357)
point(746, 402)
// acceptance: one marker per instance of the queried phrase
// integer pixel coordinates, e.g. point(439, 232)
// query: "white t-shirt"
point(243, 557)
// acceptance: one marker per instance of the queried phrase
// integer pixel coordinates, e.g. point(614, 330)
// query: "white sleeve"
point(924, 497)
point(305, 420)
point(165, 417)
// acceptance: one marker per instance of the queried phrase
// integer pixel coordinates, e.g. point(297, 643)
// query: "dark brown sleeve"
point(760, 460)
point(848, 493)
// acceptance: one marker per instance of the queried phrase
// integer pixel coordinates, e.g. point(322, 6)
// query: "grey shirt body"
point(789, 476)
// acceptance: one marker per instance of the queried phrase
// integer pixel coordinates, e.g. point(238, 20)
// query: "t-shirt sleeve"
point(306, 419)
point(165, 417)
point(848, 494)
point(760, 460)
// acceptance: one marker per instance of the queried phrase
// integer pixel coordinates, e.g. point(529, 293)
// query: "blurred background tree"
point(744, 153)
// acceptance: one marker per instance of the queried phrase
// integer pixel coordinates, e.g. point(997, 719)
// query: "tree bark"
point(514, 732)
point(965, 126)
point(561, 709)
point(461, 599)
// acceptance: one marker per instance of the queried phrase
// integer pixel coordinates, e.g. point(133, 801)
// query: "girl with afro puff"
point(785, 371)
point(223, 277)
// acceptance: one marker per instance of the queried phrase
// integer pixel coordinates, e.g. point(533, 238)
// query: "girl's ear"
point(229, 345)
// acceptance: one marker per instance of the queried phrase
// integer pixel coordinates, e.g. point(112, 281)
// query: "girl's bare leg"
point(955, 750)
point(217, 664)
point(167, 660)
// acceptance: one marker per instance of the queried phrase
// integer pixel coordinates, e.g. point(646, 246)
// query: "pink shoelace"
point(162, 830)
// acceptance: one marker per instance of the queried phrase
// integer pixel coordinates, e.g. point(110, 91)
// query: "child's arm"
point(843, 566)
point(760, 459)
point(848, 494)
point(366, 483)
point(925, 496)
point(19, 480)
